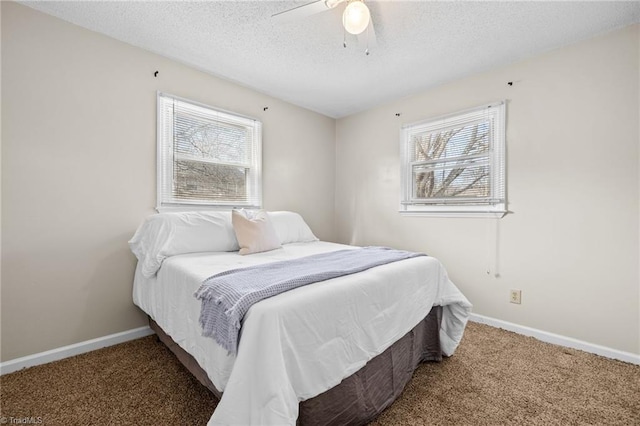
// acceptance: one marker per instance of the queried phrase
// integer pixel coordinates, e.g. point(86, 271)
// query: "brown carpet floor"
point(496, 377)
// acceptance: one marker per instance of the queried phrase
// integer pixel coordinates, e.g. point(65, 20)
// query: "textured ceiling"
point(420, 44)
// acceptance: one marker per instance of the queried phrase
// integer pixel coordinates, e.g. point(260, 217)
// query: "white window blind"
point(455, 164)
point(207, 157)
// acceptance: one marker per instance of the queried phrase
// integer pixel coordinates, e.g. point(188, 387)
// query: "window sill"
point(469, 212)
point(200, 207)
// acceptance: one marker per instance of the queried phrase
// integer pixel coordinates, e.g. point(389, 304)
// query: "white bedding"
point(301, 343)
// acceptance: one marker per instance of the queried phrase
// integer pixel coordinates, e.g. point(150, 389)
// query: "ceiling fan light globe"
point(356, 17)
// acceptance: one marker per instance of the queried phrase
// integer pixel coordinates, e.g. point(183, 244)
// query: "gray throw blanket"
point(226, 297)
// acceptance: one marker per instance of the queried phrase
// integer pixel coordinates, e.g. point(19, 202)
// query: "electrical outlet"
point(515, 296)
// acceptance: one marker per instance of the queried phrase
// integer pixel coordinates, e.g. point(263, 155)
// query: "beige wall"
point(571, 244)
point(78, 172)
point(0, 188)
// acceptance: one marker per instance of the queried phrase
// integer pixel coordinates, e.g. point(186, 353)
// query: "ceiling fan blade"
point(300, 12)
point(367, 40)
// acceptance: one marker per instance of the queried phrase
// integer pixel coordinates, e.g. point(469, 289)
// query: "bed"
point(304, 355)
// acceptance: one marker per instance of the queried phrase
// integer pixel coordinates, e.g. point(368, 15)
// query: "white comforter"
point(301, 343)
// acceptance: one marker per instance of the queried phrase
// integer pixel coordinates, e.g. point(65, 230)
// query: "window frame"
point(495, 205)
point(165, 162)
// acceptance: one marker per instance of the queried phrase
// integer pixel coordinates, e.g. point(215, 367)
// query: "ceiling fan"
point(356, 18)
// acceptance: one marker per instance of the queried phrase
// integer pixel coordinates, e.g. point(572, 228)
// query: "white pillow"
point(169, 234)
point(291, 227)
point(254, 233)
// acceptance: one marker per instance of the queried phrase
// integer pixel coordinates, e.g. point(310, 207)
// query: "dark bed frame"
point(361, 397)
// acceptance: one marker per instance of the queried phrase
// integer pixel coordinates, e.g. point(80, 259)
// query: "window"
point(206, 157)
point(455, 165)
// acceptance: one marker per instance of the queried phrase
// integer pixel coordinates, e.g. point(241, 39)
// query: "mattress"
point(361, 397)
point(299, 344)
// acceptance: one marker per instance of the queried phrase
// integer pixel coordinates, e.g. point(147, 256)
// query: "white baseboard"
point(72, 350)
point(557, 339)
point(113, 339)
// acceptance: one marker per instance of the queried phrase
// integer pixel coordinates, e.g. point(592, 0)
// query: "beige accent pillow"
point(254, 234)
